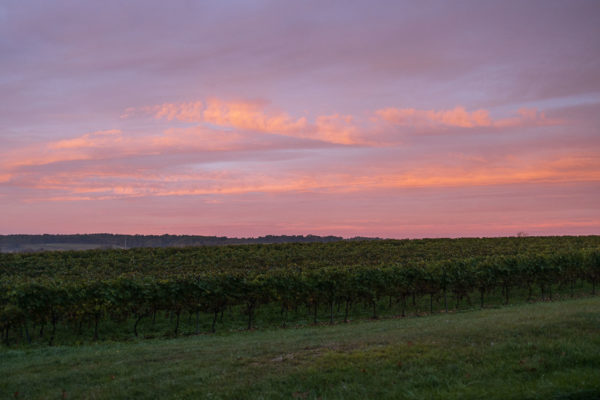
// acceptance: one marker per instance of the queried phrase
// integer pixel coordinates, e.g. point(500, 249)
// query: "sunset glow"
point(395, 119)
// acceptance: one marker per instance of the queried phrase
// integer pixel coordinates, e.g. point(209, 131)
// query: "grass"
point(529, 351)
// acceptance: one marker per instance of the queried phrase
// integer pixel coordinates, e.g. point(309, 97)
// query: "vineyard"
point(48, 294)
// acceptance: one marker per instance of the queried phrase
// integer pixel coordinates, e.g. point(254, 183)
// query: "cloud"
point(251, 116)
point(93, 139)
point(459, 117)
point(255, 116)
point(527, 117)
point(247, 118)
point(234, 147)
point(89, 146)
point(189, 112)
point(115, 144)
point(338, 129)
point(113, 182)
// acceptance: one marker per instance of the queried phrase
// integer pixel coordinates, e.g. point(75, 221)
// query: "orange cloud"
point(233, 126)
point(189, 112)
point(244, 115)
point(459, 118)
point(338, 129)
point(89, 146)
point(5, 177)
point(112, 143)
point(123, 182)
point(93, 139)
point(253, 116)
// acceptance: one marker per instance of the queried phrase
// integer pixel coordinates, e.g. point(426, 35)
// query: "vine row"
point(44, 303)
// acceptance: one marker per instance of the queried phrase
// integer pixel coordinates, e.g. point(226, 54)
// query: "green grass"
point(530, 351)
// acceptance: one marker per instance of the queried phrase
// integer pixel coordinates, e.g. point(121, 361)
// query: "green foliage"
point(84, 287)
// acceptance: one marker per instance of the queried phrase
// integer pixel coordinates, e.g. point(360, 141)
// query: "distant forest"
point(29, 243)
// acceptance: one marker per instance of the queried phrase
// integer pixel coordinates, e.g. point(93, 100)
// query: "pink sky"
point(390, 119)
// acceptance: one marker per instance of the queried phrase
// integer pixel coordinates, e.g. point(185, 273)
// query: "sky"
point(395, 119)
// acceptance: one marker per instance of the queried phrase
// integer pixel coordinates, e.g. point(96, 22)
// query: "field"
point(468, 318)
point(52, 247)
point(532, 351)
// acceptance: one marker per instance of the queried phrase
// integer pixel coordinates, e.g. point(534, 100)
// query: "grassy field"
point(531, 351)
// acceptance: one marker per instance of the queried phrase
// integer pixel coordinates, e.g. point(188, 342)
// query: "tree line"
point(28, 243)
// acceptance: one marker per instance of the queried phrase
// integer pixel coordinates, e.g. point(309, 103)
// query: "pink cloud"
point(89, 146)
point(76, 168)
point(338, 129)
point(459, 117)
point(412, 212)
point(112, 144)
point(250, 117)
point(121, 182)
point(254, 116)
point(93, 139)
point(196, 139)
point(527, 117)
